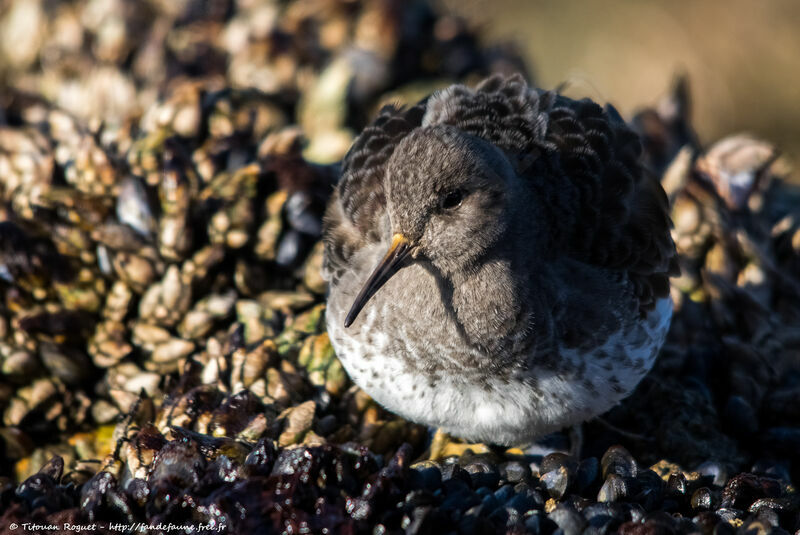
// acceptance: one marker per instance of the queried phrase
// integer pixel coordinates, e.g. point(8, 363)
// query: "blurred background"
point(114, 58)
point(742, 57)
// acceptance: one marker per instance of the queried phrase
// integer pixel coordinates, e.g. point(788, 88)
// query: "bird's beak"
point(391, 263)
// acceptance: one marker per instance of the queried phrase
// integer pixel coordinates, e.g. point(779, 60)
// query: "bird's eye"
point(452, 199)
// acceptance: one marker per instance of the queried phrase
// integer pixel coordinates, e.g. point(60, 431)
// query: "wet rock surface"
point(163, 174)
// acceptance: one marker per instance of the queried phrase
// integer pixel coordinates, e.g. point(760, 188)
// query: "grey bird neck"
point(492, 298)
point(488, 256)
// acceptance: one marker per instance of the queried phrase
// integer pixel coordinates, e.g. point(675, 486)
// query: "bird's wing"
point(356, 211)
point(615, 214)
point(583, 162)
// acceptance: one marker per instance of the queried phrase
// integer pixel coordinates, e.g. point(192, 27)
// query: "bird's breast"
point(408, 319)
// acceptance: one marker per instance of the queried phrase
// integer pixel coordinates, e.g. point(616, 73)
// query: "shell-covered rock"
point(164, 169)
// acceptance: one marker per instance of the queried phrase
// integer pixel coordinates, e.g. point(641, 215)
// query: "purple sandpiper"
point(498, 261)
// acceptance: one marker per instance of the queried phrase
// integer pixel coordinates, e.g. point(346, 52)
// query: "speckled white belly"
point(497, 411)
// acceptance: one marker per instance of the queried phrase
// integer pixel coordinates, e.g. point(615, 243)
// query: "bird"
point(498, 261)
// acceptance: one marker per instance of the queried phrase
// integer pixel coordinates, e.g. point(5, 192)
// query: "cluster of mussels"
point(230, 487)
point(164, 168)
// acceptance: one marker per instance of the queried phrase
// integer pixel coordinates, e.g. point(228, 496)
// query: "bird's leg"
point(576, 441)
point(497, 450)
point(443, 445)
point(626, 434)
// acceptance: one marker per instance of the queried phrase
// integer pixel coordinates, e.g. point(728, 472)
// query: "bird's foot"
point(444, 445)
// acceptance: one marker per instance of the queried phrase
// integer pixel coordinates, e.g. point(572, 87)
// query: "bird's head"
point(450, 197)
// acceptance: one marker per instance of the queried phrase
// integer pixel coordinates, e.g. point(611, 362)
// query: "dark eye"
point(452, 199)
